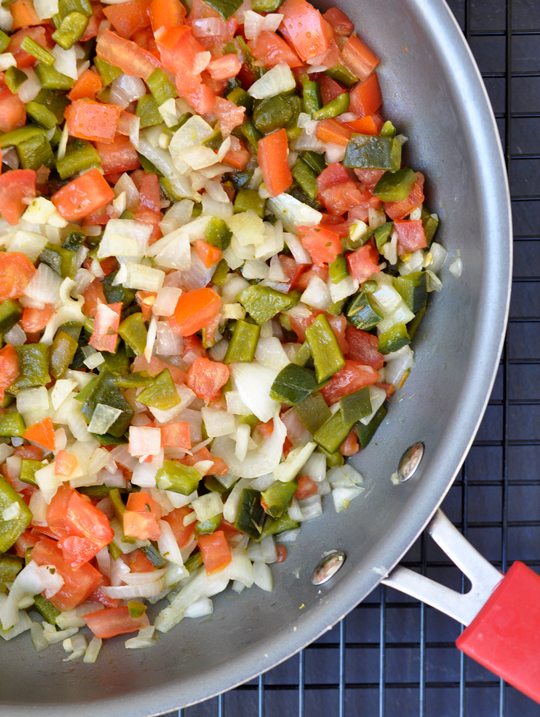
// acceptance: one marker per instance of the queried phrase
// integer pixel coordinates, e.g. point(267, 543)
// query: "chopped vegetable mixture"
point(213, 262)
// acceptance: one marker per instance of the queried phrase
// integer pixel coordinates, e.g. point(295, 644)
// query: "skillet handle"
point(502, 611)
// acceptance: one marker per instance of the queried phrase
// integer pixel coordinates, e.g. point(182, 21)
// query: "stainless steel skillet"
point(434, 93)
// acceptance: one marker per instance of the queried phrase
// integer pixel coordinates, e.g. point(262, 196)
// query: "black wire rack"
point(392, 656)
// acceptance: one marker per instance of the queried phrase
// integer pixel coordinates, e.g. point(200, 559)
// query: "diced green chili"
point(388, 129)
point(62, 261)
point(118, 505)
point(11, 424)
point(105, 391)
point(311, 94)
point(178, 478)
point(266, 5)
point(96, 492)
point(208, 526)
point(46, 609)
point(32, 48)
point(117, 293)
point(35, 152)
point(365, 433)
point(243, 343)
point(334, 108)
point(395, 186)
point(18, 136)
point(324, 347)
point(343, 75)
point(263, 303)
point(78, 159)
point(107, 71)
point(315, 160)
point(14, 77)
point(73, 241)
point(382, 234)
point(214, 141)
point(429, 222)
point(394, 339)
point(361, 314)
point(272, 114)
point(33, 367)
point(293, 384)
point(355, 406)
point(133, 331)
point(251, 133)
point(239, 178)
point(11, 529)
point(161, 87)
point(305, 177)
point(62, 352)
point(292, 129)
point(147, 110)
point(4, 41)
point(370, 152)
point(136, 608)
point(250, 516)
point(313, 412)
point(10, 567)
point(224, 8)
point(71, 30)
point(29, 469)
point(117, 363)
point(336, 307)
point(217, 233)
point(194, 562)
point(338, 269)
point(65, 7)
point(161, 393)
point(412, 289)
point(303, 355)
point(134, 380)
point(153, 555)
point(10, 313)
point(241, 98)
point(50, 79)
point(221, 274)
point(280, 525)
point(332, 434)
point(249, 199)
point(276, 498)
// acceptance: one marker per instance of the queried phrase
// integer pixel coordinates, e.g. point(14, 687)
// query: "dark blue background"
point(495, 501)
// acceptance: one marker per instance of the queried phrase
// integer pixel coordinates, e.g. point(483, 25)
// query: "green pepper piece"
point(361, 314)
point(10, 567)
point(29, 469)
point(65, 7)
point(221, 274)
point(272, 114)
point(105, 391)
point(355, 406)
point(194, 562)
point(153, 555)
point(394, 339)
point(161, 87)
point(303, 355)
point(388, 130)
point(224, 8)
point(18, 136)
point(395, 186)
point(71, 30)
point(50, 79)
point(133, 331)
point(134, 380)
point(313, 412)
point(161, 393)
point(415, 323)
point(251, 133)
point(78, 160)
point(293, 384)
point(117, 293)
point(412, 289)
point(178, 478)
point(315, 160)
point(334, 108)
point(343, 75)
point(32, 48)
point(73, 241)
point(62, 261)
point(87, 390)
point(266, 5)
point(241, 98)
point(276, 498)
point(370, 152)
point(10, 313)
point(336, 307)
point(136, 608)
point(107, 71)
point(117, 363)
point(311, 94)
point(33, 367)
point(11, 529)
point(117, 504)
point(382, 234)
point(147, 110)
point(338, 269)
point(55, 102)
point(208, 526)
point(4, 41)
point(305, 177)
point(250, 516)
point(280, 525)
point(46, 609)
point(327, 356)
point(332, 434)
point(114, 550)
point(263, 303)
point(11, 424)
point(429, 222)
point(14, 77)
point(97, 492)
point(243, 343)
point(249, 199)
point(239, 179)
point(35, 152)
point(63, 350)
point(217, 233)
point(365, 433)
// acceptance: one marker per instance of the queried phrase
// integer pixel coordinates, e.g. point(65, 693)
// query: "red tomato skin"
point(272, 153)
point(215, 550)
point(182, 532)
point(16, 271)
point(322, 244)
point(195, 310)
point(126, 55)
point(16, 186)
point(350, 445)
point(363, 262)
point(118, 156)
point(305, 28)
point(330, 89)
point(206, 378)
point(352, 377)
point(22, 58)
point(94, 121)
point(340, 22)
point(272, 49)
point(12, 111)
point(335, 173)
point(281, 551)
point(306, 488)
point(114, 621)
point(83, 196)
point(363, 347)
point(411, 236)
point(400, 210)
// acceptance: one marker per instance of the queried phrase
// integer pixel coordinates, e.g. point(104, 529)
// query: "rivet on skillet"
point(328, 567)
point(410, 461)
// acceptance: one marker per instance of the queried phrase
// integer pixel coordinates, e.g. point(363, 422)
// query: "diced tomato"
point(350, 445)
point(166, 14)
point(94, 22)
point(369, 177)
point(219, 467)
point(364, 348)
point(114, 621)
point(93, 297)
point(42, 433)
point(229, 115)
point(22, 58)
point(400, 210)
point(23, 14)
point(176, 435)
point(65, 464)
point(195, 310)
point(358, 57)
point(35, 319)
point(272, 157)
point(83, 196)
point(148, 216)
point(106, 323)
point(182, 532)
point(208, 254)
point(15, 187)
point(411, 236)
point(118, 156)
point(388, 387)
point(126, 55)
point(366, 97)
point(271, 49)
point(322, 244)
point(341, 25)
point(12, 112)
point(363, 262)
point(93, 120)
point(127, 123)
point(100, 217)
point(155, 366)
point(306, 488)
point(149, 192)
point(139, 563)
point(237, 156)
point(340, 198)
point(330, 89)
point(330, 130)
point(306, 276)
point(305, 28)
point(216, 552)
point(31, 453)
point(335, 173)
point(281, 551)
point(178, 48)
point(86, 87)
point(16, 270)
point(372, 124)
point(25, 541)
point(223, 68)
point(128, 17)
point(206, 378)
point(99, 596)
point(291, 269)
point(352, 377)
point(78, 584)
point(140, 525)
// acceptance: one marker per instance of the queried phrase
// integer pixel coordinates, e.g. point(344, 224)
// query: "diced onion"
point(253, 382)
point(202, 607)
point(262, 576)
point(277, 80)
point(258, 462)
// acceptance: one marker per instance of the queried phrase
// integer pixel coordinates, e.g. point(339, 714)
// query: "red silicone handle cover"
point(505, 635)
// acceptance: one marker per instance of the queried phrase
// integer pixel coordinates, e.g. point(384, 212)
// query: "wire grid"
point(392, 656)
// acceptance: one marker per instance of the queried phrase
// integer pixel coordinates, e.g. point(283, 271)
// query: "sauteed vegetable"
point(214, 259)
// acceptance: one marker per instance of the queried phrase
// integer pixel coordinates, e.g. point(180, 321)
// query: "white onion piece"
point(262, 576)
point(277, 80)
point(253, 382)
point(202, 607)
point(258, 462)
point(128, 592)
